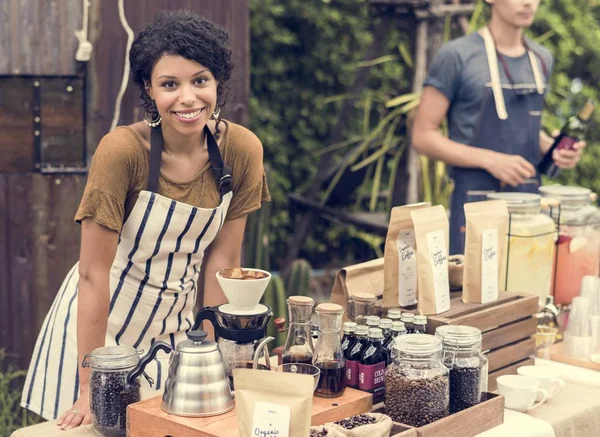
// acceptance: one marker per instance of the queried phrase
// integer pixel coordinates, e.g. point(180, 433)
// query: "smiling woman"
point(164, 199)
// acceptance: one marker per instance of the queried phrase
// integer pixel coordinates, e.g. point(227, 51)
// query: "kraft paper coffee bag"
point(431, 233)
point(485, 250)
point(400, 258)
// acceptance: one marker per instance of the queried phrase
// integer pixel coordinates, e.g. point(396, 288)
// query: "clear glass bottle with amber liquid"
point(353, 355)
point(329, 357)
point(299, 343)
point(571, 132)
point(371, 369)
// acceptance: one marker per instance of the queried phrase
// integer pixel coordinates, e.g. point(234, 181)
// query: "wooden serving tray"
point(556, 354)
point(466, 423)
point(146, 418)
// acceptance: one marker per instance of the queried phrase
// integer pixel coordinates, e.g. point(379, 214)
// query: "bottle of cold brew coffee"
point(420, 325)
point(371, 369)
point(407, 318)
point(398, 329)
point(353, 355)
point(349, 338)
point(386, 328)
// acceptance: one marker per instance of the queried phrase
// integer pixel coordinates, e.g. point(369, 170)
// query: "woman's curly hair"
point(186, 34)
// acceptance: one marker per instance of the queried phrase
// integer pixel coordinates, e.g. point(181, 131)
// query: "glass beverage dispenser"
point(578, 247)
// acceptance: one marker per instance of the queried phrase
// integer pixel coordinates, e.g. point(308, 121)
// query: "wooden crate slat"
point(509, 370)
point(502, 357)
point(509, 333)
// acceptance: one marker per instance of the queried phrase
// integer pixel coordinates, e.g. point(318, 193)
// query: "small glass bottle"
point(416, 383)
point(329, 357)
point(298, 344)
point(371, 370)
point(353, 355)
point(468, 366)
point(372, 321)
point(394, 314)
point(349, 338)
point(386, 327)
point(420, 325)
point(398, 329)
point(408, 318)
point(360, 306)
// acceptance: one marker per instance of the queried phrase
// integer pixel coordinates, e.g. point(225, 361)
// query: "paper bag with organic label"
point(273, 403)
point(400, 258)
point(431, 234)
point(485, 247)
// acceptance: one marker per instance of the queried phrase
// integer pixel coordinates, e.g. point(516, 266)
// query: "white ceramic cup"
point(520, 392)
point(244, 295)
point(548, 378)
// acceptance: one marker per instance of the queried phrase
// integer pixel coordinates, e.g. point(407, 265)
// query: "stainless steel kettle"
point(197, 384)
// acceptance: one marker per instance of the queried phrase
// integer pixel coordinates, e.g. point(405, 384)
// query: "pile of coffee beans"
point(355, 421)
point(413, 400)
point(465, 387)
point(110, 394)
point(318, 433)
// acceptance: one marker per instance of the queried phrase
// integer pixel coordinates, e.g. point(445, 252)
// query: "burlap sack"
point(331, 432)
point(51, 429)
point(366, 277)
point(381, 428)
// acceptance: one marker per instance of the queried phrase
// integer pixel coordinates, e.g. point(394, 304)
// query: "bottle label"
point(489, 265)
point(566, 143)
point(371, 378)
point(352, 373)
point(407, 268)
point(436, 241)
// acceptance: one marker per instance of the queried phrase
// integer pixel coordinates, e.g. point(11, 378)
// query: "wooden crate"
point(507, 324)
point(466, 423)
point(146, 418)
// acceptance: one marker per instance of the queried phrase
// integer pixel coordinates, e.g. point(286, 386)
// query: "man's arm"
point(562, 158)
point(427, 140)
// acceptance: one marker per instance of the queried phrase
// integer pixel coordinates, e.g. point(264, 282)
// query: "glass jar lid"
point(363, 297)
point(375, 333)
point(301, 300)
point(418, 345)
point(517, 201)
point(398, 326)
point(567, 194)
point(459, 336)
point(112, 358)
point(385, 323)
point(349, 326)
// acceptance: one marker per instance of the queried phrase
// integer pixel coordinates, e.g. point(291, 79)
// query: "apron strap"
point(539, 83)
point(492, 58)
point(221, 171)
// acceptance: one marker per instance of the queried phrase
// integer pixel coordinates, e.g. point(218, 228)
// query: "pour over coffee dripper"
point(243, 295)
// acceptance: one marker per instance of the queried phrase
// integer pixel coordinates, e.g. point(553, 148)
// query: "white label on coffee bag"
point(271, 420)
point(489, 265)
point(407, 268)
point(436, 241)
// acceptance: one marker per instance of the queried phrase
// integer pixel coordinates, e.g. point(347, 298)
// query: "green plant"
point(12, 416)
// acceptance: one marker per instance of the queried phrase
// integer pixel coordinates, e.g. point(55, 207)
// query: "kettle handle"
point(262, 347)
point(141, 365)
point(205, 313)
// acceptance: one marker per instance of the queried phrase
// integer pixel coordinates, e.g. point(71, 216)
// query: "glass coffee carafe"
point(299, 345)
point(329, 357)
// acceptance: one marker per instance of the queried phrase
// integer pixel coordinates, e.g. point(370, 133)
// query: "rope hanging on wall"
point(84, 50)
point(130, 37)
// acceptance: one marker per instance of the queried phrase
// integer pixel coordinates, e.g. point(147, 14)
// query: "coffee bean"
point(355, 421)
point(465, 387)
point(110, 395)
point(318, 433)
point(415, 400)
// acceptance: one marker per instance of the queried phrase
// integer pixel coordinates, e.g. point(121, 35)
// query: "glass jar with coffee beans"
point(417, 383)
point(468, 366)
point(114, 384)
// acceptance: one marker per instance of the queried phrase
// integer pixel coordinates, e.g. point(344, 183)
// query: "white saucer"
point(231, 309)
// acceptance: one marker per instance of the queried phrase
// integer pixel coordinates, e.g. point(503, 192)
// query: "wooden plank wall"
point(37, 36)
point(39, 243)
point(109, 38)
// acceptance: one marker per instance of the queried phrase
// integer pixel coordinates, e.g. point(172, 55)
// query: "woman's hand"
point(79, 414)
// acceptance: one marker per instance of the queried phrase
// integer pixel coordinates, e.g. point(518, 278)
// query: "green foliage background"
point(305, 51)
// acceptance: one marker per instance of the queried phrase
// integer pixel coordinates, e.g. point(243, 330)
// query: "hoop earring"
point(152, 123)
point(216, 113)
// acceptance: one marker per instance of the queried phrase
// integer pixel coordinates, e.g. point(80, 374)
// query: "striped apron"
point(153, 285)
